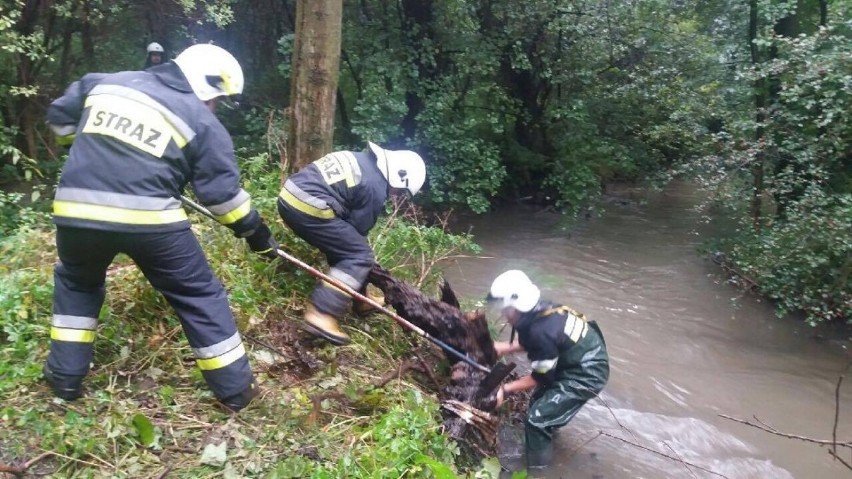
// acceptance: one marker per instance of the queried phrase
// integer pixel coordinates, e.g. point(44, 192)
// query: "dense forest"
point(546, 100)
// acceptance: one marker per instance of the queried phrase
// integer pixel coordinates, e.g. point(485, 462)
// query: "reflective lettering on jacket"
point(343, 184)
point(339, 166)
point(143, 137)
point(134, 118)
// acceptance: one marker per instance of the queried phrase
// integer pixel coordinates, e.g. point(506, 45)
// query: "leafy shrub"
point(804, 262)
point(14, 213)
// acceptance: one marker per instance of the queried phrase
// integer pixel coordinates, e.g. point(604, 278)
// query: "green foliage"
point(804, 263)
point(407, 440)
point(15, 213)
point(411, 249)
point(795, 246)
point(144, 395)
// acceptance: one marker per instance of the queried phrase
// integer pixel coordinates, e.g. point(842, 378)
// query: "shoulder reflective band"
point(575, 328)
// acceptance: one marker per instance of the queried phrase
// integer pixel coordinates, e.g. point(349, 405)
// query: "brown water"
point(684, 347)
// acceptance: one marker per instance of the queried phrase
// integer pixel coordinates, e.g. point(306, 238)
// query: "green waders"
point(553, 406)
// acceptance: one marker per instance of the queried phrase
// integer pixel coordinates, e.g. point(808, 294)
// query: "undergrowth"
point(323, 412)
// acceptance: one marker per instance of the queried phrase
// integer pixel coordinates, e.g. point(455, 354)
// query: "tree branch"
point(771, 430)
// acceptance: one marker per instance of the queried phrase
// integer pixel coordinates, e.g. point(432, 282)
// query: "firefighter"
point(567, 356)
point(139, 138)
point(155, 55)
point(332, 204)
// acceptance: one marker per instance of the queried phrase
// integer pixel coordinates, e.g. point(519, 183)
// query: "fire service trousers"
point(554, 406)
point(175, 265)
point(348, 254)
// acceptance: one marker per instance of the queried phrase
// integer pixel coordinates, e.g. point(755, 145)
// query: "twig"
point(848, 466)
point(679, 458)
point(428, 371)
point(663, 454)
point(19, 471)
point(612, 413)
point(165, 472)
point(768, 429)
point(400, 371)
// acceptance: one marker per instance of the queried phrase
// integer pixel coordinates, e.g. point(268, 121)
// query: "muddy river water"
point(685, 347)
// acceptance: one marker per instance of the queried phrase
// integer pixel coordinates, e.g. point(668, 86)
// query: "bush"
point(804, 262)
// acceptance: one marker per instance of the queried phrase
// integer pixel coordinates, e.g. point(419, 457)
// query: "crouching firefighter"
point(139, 137)
point(332, 204)
point(567, 355)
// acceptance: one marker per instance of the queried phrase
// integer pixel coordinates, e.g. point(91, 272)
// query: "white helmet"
point(513, 288)
point(211, 71)
point(401, 168)
point(154, 47)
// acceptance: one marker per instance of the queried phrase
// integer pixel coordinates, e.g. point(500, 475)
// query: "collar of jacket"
point(169, 73)
point(533, 314)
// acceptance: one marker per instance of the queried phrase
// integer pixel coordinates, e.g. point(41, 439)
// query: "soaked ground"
point(685, 348)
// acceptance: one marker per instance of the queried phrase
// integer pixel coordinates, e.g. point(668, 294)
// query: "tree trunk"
point(759, 88)
point(315, 67)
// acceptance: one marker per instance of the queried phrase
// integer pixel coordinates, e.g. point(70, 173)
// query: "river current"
point(685, 347)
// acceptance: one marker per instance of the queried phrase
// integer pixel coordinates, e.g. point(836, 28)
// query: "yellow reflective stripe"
point(544, 365)
point(71, 209)
point(578, 328)
point(562, 310)
point(300, 205)
point(221, 361)
point(235, 214)
point(72, 335)
point(66, 139)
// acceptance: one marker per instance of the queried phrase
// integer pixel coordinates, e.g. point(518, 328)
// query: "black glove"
point(261, 242)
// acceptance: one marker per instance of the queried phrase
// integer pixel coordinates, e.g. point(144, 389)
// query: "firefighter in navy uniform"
point(139, 138)
point(332, 204)
point(155, 55)
point(567, 356)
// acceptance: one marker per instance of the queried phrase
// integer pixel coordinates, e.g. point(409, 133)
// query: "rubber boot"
point(325, 326)
point(539, 458)
point(362, 309)
point(241, 400)
point(63, 386)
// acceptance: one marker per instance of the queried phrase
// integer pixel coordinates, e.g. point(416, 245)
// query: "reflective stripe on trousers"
point(175, 265)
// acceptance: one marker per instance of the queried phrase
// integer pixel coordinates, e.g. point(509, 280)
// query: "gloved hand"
point(262, 242)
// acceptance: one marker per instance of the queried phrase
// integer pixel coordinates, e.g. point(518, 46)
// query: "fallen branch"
point(19, 471)
point(485, 422)
point(771, 430)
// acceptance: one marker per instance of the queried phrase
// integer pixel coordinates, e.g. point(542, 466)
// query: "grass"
point(324, 411)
